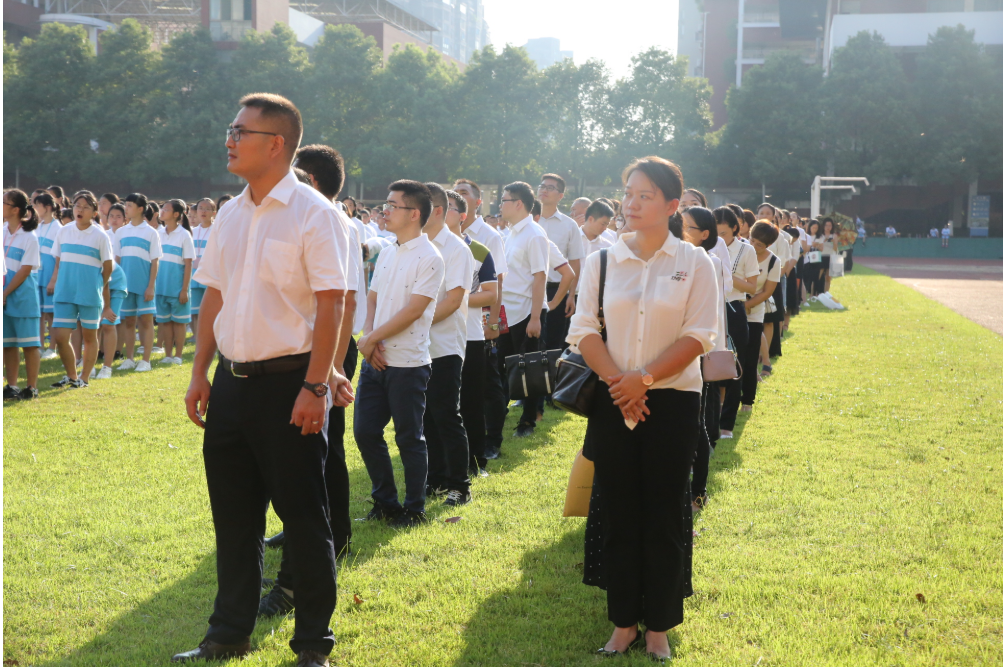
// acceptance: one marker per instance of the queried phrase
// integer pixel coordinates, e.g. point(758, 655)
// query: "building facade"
point(545, 51)
point(460, 26)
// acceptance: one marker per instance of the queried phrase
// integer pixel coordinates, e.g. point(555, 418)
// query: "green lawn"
point(871, 471)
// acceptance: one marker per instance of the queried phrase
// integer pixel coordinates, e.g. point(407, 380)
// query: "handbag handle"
point(602, 291)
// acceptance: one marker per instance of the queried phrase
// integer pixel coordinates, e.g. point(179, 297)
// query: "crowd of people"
point(286, 276)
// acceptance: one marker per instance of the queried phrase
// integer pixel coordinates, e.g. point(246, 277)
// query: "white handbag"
point(814, 257)
point(835, 265)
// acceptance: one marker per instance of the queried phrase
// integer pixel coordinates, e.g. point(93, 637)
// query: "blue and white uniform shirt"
point(137, 246)
point(81, 255)
point(200, 237)
point(21, 249)
point(46, 234)
point(178, 247)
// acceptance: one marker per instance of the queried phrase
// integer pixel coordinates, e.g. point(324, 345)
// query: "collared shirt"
point(46, 234)
point(743, 262)
point(402, 271)
point(81, 255)
point(137, 247)
point(592, 246)
point(610, 235)
point(484, 273)
point(268, 261)
point(565, 233)
point(650, 305)
point(721, 341)
point(766, 273)
point(720, 251)
point(526, 253)
point(22, 249)
point(492, 239)
point(178, 247)
point(200, 237)
point(449, 336)
point(781, 248)
point(355, 275)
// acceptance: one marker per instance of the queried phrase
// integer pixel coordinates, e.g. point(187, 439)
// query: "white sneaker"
point(157, 350)
point(726, 435)
point(143, 366)
point(177, 360)
point(49, 354)
point(94, 373)
point(166, 360)
point(104, 373)
point(127, 364)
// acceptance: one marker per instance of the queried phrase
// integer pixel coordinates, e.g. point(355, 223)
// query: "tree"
point(271, 62)
point(410, 107)
point(501, 117)
point(44, 130)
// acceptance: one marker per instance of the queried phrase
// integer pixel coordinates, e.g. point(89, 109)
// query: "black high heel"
point(602, 651)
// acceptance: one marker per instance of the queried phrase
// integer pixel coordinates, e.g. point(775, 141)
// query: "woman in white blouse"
point(763, 234)
point(660, 307)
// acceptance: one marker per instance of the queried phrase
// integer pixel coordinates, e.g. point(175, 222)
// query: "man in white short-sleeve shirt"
point(274, 272)
point(395, 374)
point(527, 255)
point(445, 434)
point(564, 232)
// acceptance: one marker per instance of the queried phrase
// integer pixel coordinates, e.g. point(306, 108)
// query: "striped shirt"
point(137, 247)
point(21, 249)
point(178, 247)
point(200, 237)
point(81, 255)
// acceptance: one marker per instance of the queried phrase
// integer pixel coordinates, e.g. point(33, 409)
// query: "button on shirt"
point(565, 233)
point(526, 253)
point(267, 261)
point(449, 336)
point(403, 271)
point(137, 247)
point(492, 239)
point(650, 305)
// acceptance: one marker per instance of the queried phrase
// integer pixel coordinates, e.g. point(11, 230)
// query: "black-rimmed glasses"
point(389, 207)
point(235, 133)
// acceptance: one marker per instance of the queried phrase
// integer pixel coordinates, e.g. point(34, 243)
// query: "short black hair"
point(302, 176)
point(416, 195)
point(765, 232)
point(281, 109)
point(726, 215)
point(438, 195)
point(45, 198)
point(138, 198)
point(461, 204)
point(472, 184)
point(325, 165)
point(222, 200)
point(537, 208)
point(522, 191)
point(117, 207)
point(664, 174)
point(556, 177)
point(706, 222)
point(111, 198)
point(598, 210)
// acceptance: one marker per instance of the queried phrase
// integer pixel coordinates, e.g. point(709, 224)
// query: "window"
point(247, 10)
point(850, 7)
point(945, 5)
point(989, 5)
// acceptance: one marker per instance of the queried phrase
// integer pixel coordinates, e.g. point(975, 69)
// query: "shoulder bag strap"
point(602, 291)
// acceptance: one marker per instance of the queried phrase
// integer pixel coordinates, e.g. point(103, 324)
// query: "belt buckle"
point(234, 372)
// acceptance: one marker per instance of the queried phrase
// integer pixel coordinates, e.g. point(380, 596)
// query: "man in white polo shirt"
point(395, 374)
point(564, 232)
point(527, 255)
point(275, 276)
point(445, 434)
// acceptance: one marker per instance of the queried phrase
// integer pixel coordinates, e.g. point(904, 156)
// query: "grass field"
point(871, 471)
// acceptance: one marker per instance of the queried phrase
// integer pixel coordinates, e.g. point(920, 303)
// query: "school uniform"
point(769, 270)
point(742, 258)
point(398, 391)
point(200, 236)
point(178, 247)
point(137, 247)
point(472, 386)
point(564, 232)
point(22, 312)
point(445, 434)
point(117, 289)
point(79, 293)
point(268, 261)
point(46, 234)
point(643, 470)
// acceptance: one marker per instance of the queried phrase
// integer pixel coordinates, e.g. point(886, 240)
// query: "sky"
point(608, 31)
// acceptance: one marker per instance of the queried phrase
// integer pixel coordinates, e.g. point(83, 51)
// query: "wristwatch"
point(319, 390)
point(646, 377)
point(493, 326)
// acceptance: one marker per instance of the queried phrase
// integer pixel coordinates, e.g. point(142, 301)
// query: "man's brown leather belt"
point(272, 366)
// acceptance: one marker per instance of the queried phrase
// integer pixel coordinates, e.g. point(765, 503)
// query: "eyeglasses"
point(454, 209)
point(542, 188)
point(511, 200)
point(389, 207)
point(235, 133)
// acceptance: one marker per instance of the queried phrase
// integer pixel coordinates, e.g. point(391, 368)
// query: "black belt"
point(272, 366)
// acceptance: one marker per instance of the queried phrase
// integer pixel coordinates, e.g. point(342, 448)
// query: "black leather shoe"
point(524, 430)
point(381, 512)
point(276, 603)
point(409, 519)
point(277, 540)
point(491, 453)
point(312, 659)
point(212, 651)
point(638, 639)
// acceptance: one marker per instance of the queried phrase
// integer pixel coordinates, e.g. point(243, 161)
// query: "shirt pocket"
point(279, 262)
point(671, 292)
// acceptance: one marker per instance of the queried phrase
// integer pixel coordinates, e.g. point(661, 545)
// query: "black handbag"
point(532, 375)
point(576, 382)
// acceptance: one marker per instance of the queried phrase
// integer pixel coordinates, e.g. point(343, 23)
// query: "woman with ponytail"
point(21, 309)
point(48, 228)
point(174, 279)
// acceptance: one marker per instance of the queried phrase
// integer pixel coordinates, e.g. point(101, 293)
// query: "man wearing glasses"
point(275, 275)
point(564, 232)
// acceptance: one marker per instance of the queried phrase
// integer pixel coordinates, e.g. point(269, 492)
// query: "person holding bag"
point(661, 315)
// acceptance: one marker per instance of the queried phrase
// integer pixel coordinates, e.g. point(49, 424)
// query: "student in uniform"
point(830, 247)
point(84, 265)
point(174, 279)
point(763, 235)
point(21, 309)
point(483, 294)
point(104, 206)
point(397, 367)
point(117, 291)
point(597, 217)
point(562, 230)
point(46, 232)
point(138, 251)
point(445, 434)
point(205, 211)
